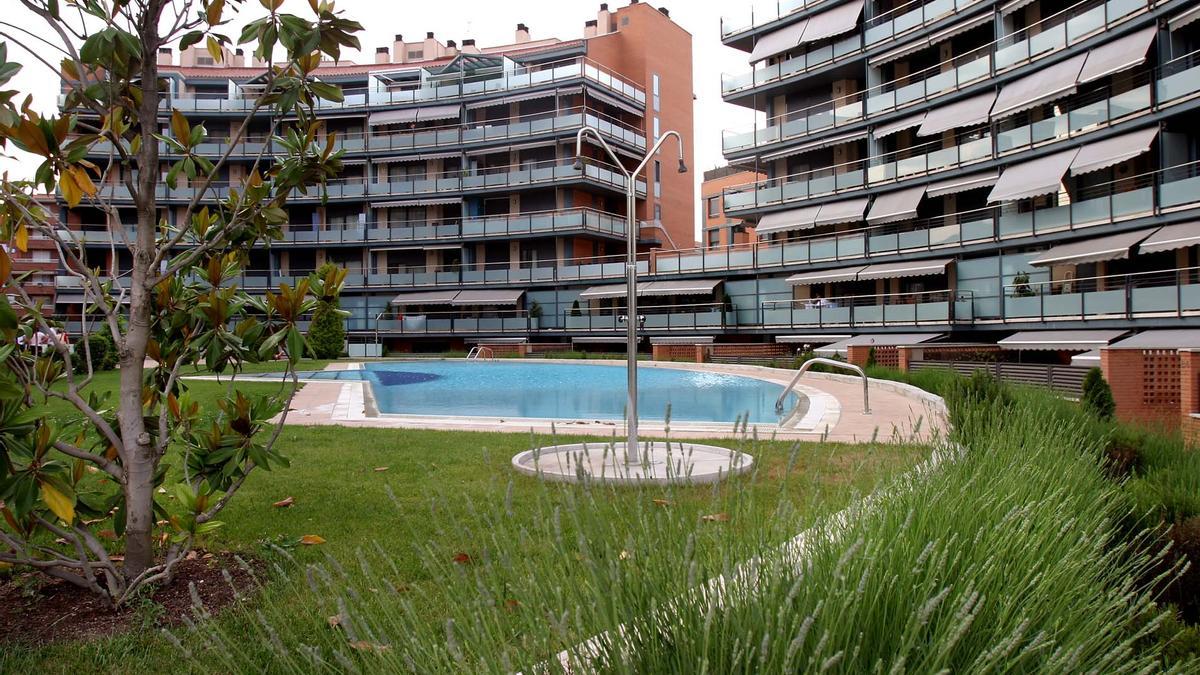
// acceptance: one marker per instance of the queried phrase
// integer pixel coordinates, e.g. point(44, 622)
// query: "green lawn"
point(445, 484)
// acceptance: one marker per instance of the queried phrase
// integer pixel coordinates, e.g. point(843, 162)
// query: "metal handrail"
point(478, 351)
point(804, 369)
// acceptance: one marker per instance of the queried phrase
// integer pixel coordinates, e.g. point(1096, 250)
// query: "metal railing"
point(804, 368)
point(942, 307)
point(698, 316)
point(1162, 293)
point(479, 352)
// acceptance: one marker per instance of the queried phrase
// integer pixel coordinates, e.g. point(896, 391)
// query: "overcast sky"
point(491, 23)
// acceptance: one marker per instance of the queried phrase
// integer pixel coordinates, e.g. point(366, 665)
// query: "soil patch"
point(1184, 591)
point(1120, 460)
point(37, 610)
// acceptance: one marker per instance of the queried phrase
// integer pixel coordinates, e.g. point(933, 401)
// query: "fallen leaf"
point(192, 555)
point(92, 469)
point(511, 604)
point(364, 646)
point(162, 491)
point(334, 621)
point(716, 518)
point(312, 540)
point(661, 502)
point(625, 555)
point(284, 503)
point(5, 566)
point(463, 559)
point(380, 469)
point(107, 534)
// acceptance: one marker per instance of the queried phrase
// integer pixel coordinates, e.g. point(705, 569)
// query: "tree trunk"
point(139, 455)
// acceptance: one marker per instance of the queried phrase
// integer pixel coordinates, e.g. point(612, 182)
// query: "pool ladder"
point(779, 403)
point(480, 352)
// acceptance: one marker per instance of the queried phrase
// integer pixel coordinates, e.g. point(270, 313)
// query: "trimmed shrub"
point(575, 309)
point(327, 334)
point(102, 350)
point(1097, 395)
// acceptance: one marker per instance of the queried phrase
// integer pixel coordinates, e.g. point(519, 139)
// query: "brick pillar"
point(1189, 394)
point(702, 353)
point(858, 354)
point(658, 353)
point(907, 355)
point(1143, 389)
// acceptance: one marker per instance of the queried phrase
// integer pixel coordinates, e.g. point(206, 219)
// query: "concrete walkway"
point(899, 413)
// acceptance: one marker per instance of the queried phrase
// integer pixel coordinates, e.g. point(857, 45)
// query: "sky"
point(489, 23)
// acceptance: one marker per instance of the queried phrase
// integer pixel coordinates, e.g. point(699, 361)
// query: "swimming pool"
point(506, 389)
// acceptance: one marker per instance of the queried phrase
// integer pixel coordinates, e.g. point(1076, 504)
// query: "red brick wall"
point(751, 350)
point(1189, 394)
point(676, 352)
point(1145, 384)
point(887, 356)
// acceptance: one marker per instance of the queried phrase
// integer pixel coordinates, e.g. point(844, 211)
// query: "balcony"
point(1050, 35)
point(691, 317)
point(520, 79)
point(1163, 294)
point(482, 179)
point(860, 311)
point(763, 13)
point(1175, 82)
point(504, 322)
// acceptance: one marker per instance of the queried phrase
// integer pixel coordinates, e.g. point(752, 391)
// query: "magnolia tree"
point(114, 494)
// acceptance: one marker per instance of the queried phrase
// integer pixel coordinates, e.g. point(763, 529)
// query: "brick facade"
point(1189, 394)
point(1145, 384)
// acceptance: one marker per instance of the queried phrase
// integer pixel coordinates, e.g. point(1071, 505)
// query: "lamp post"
point(631, 233)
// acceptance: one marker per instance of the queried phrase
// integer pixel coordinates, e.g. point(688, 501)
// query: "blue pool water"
point(561, 391)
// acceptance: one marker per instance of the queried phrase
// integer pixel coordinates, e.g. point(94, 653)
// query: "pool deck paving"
point(899, 412)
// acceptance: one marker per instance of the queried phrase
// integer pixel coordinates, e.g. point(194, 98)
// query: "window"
point(714, 207)
point(205, 61)
point(416, 54)
point(657, 129)
point(657, 179)
point(656, 89)
point(658, 212)
point(714, 238)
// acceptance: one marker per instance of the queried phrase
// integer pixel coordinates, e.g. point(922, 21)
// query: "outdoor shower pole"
point(631, 237)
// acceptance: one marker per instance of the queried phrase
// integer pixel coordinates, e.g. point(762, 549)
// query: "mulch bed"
point(35, 609)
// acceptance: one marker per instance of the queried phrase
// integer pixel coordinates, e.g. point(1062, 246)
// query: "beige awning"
point(1171, 237)
point(827, 24)
point(416, 202)
point(679, 287)
point(1183, 18)
point(783, 221)
point(930, 40)
point(1013, 5)
point(778, 41)
point(509, 297)
point(392, 117)
point(1118, 55)
point(908, 268)
point(810, 339)
point(1043, 86)
point(884, 130)
point(973, 110)
point(1114, 150)
point(962, 183)
point(439, 112)
point(848, 211)
point(516, 98)
point(895, 206)
point(815, 145)
point(606, 291)
point(1112, 247)
point(1040, 176)
point(824, 276)
point(425, 298)
point(1060, 340)
point(1182, 338)
point(877, 340)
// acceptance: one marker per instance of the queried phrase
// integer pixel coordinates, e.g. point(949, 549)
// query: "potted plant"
point(1022, 287)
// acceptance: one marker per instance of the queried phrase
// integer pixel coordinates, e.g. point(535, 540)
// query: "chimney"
point(164, 56)
point(432, 49)
point(665, 12)
point(382, 55)
point(398, 51)
point(469, 46)
point(239, 58)
point(522, 33)
point(451, 48)
point(589, 29)
point(604, 20)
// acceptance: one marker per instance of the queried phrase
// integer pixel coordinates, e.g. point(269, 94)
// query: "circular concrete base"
point(659, 463)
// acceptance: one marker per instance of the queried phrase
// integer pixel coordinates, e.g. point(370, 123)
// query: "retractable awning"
point(963, 113)
point(679, 287)
point(1182, 338)
point(1171, 237)
point(778, 41)
point(884, 130)
point(491, 297)
point(895, 206)
point(425, 298)
point(1112, 247)
point(1118, 55)
point(392, 117)
point(1041, 87)
point(1087, 360)
point(601, 292)
point(592, 92)
point(848, 211)
point(824, 276)
point(809, 339)
point(782, 221)
point(1114, 150)
point(1183, 18)
point(517, 98)
point(827, 24)
point(1040, 176)
point(815, 145)
point(1013, 5)
point(1060, 340)
point(930, 40)
point(908, 268)
point(416, 202)
point(683, 340)
point(878, 340)
point(962, 184)
point(439, 112)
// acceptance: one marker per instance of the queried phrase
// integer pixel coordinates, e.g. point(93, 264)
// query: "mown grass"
point(430, 503)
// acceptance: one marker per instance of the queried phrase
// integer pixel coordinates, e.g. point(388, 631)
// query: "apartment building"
point(460, 212)
point(38, 265)
point(719, 230)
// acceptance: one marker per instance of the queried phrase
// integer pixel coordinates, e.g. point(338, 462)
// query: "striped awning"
point(1060, 340)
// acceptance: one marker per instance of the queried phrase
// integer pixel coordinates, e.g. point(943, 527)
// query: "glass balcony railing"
point(702, 316)
point(1160, 294)
point(446, 136)
point(452, 323)
point(1135, 197)
point(476, 179)
point(511, 225)
point(763, 13)
point(519, 79)
point(1050, 35)
point(894, 309)
point(1177, 80)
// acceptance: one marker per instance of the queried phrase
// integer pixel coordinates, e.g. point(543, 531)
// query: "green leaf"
point(190, 39)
